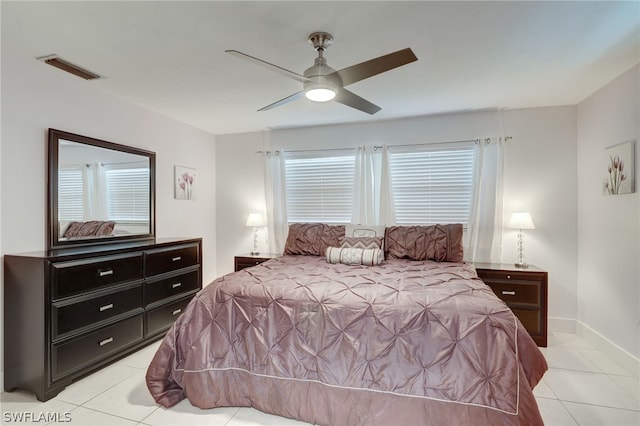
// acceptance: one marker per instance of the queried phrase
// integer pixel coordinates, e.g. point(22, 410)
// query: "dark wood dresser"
point(69, 312)
point(524, 291)
point(247, 260)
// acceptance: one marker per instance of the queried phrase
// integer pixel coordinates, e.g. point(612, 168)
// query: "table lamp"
point(520, 221)
point(256, 220)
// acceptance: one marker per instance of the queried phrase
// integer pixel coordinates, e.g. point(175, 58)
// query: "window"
point(319, 186)
point(433, 184)
point(71, 184)
point(127, 189)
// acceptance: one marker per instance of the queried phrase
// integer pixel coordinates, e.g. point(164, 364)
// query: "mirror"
point(99, 192)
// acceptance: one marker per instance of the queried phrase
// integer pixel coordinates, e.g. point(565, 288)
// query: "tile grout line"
point(234, 414)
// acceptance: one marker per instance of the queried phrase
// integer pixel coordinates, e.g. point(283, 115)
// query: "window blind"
point(127, 194)
point(319, 187)
point(71, 193)
point(432, 185)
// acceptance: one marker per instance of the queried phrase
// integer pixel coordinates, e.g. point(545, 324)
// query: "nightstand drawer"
point(510, 276)
point(244, 262)
point(521, 292)
point(531, 319)
point(241, 262)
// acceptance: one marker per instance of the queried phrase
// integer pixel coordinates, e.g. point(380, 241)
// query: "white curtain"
point(484, 239)
point(364, 202)
point(372, 202)
point(387, 213)
point(275, 200)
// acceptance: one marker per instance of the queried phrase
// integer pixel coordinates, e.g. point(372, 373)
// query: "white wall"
point(609, 226)
point(239, 191)
point(36, 97)
point(540, 176)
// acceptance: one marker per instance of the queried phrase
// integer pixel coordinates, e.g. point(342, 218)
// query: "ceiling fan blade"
point(348, 98)
point(375, 66)
point(270, 66)
point(284, 101)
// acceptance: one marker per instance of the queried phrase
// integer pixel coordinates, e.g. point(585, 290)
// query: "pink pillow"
point(312, 239)
point(442, 243)
point(93, 228)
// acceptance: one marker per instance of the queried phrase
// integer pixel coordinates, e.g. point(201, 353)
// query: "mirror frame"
point(53, 239)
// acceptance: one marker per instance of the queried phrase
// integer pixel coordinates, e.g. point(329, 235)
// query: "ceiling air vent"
point(56, 61)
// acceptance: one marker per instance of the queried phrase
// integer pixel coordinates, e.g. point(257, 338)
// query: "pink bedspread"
point(405, 342)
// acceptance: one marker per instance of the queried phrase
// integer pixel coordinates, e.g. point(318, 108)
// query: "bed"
point(406, 341)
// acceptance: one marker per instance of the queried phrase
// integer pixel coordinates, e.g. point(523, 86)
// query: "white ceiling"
point(169, 57)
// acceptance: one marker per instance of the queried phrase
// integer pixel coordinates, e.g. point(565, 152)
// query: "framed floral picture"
point(619, 175)
point(185, 183)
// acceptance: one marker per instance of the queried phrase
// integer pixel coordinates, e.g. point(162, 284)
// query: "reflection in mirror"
point(98, 184)
point(103, 191)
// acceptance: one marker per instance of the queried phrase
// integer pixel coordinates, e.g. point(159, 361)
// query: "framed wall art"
point(185, 183)
point(619, 169)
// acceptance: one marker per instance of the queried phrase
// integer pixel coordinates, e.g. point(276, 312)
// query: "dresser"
point(69, 312)
point(524, 291)
point(247, 260)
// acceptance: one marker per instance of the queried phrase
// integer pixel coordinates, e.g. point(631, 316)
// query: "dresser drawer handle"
point(106, 341)
point(105, 307)
point(105, 273)
point(176, 285)
point(509, 292)
point(175, 259)
point(176, 312)
point(508, 277)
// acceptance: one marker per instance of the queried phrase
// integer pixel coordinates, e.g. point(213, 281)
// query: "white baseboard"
point(561, 325)
point(627, 361)
point(623, 358)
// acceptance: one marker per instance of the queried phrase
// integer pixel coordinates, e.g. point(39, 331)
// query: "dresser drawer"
point(172, 286)
point(71, 356)
point(521, 293)
point(71, 278)
point(165, 260)
point(73, 315)
point(161, 318)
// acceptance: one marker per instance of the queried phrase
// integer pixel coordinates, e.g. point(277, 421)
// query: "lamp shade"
point(521, 220)
point(256, 219)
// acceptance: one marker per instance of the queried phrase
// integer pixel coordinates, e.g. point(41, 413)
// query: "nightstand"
point(246, 260)
point(524, 291)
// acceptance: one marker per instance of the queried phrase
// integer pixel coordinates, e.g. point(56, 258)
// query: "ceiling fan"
point(322, 83)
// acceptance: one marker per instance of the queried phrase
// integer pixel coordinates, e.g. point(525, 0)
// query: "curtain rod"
point(277, 152)
point(476, 141)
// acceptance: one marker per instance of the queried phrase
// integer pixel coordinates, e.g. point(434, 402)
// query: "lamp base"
point(255, 253)
point(521, 265)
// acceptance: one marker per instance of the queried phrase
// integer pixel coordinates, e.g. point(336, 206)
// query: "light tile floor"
point(582, 387)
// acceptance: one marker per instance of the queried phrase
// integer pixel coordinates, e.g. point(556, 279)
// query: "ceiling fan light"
point(320, 94)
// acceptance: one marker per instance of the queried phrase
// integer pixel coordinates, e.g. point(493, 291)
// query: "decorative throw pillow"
point(312, 239)
point(442, 243)
point(93, 228)
point(354, 256)
point(364, 231)
point(362, 242)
